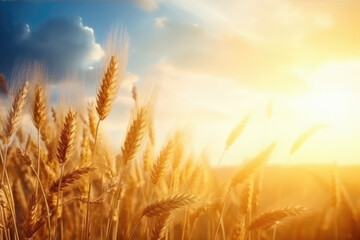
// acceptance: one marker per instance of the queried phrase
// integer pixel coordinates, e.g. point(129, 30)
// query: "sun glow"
point(330, 98)
point(328, 105)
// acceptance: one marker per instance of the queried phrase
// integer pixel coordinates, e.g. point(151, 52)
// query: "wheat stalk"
point(165, 206)
point(65, 150)
point(27, 161)
point(39, 107)
point(134, 136)
point(240, 230)
point(67, 138)
point(161, 224)
point(268, 219)
point(162, 162)
point(306, 135)
point(108, 89)
point(168, 204)
point(15, 113)
point(335, 200)
point(32, 217)
point(70, 178)
point(39, 118)
point(237, 131)
point(251, 166)
point(92, 120)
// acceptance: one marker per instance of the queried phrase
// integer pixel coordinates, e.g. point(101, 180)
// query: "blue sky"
point(215, 61)
point(101, 17)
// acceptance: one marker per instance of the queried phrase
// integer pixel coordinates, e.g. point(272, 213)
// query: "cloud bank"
point(63, 44)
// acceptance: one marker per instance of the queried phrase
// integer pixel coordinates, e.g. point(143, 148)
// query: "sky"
point(214, 62)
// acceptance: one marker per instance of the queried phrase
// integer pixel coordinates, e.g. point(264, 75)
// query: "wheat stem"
point(336, 234)
point(58, 197)
point(38, 163)
point(185, 222)
point(4, 165)
point(221, 157)
point(45, 200)
point(4, 221)
point(135, 226)
point(222, 212)
point(12, 205)
point(87, 224)
point(274, 232)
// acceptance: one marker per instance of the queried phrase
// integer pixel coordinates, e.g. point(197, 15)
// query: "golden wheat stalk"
point(335, 190)
point(92, 120)
point(148, 158)
point(15, 113)
point(12, 124)
point(39, 118)
point(134, 136)
point(268, 219)
point(237, 131)
point(24, 157)
point(246, 198)
point(240, 231)
point(165, 206)
point(306, 135)
point(249, 168)
point(257, 191)
point(67, 137)
point(162, 162)
point(245, 172)
point(335, 200)
point(39, 107)
point(168, 204)
point(108, 89)
point(70, 178)
point(65, 151)
point(27, 161)
point(161, 224)
point(31, 217)
point(178, 151)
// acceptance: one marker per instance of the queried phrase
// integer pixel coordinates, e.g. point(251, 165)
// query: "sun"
point(331, 96)
point(330, 105)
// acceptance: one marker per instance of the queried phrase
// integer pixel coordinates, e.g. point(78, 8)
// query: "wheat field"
point(61, 180)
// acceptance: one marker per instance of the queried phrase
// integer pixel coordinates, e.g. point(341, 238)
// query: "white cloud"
point(160, 22)
point(63, 44)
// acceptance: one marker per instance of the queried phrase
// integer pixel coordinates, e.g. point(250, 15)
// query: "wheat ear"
point(168, 204)
point(268, 219)
point(15, 113)
point(249, 168)
point(165, 206)
point(162, 162)
point(27, 161)
point(70, 178)
point(306, 135)
point(108, 89)
point(237, 131)
point(67, 137)
point(134, 136)
point(39, 118)
point(65, 150)
point(39, 107)
point(161, 224)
